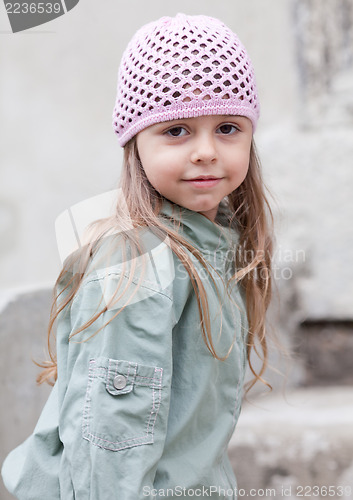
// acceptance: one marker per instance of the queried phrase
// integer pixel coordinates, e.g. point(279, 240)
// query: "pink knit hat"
point(183, 67)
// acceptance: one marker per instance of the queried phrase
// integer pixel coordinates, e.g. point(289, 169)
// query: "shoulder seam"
point(144, 283)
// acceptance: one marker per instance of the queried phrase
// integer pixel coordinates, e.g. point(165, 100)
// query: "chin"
point(206, 207)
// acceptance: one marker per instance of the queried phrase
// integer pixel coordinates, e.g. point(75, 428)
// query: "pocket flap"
point(120, 377)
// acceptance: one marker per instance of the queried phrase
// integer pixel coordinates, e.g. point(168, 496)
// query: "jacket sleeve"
point(102, 432)
point(30, 471)
point(114, 389)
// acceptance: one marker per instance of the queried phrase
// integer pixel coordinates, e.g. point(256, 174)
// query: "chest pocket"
point(122, 403)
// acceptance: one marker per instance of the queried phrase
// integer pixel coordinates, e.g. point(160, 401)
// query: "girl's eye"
point(228, 129)
point(176, 132)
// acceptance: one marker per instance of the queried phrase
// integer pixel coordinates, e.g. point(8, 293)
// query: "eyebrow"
point(179, 121)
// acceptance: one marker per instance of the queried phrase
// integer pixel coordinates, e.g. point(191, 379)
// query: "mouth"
point(204, 181)
point(203, 178)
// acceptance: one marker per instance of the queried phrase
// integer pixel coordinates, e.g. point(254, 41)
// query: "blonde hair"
point(251, 216)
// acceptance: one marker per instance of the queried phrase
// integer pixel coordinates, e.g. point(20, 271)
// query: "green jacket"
point(141, 409)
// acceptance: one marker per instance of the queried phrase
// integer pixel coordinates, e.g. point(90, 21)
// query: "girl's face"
point(213, 149)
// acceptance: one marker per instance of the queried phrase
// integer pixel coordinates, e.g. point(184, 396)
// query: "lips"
point(203, 178)
point(203, 181)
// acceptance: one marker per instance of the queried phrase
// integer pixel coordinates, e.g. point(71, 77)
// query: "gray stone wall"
point(23, 323)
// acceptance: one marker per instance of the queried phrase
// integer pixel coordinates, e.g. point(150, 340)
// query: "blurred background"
point(58, 85)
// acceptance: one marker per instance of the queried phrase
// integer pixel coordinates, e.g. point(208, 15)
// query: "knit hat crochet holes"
point(183, 67)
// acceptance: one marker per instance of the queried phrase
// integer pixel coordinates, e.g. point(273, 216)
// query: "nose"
point(204, 150)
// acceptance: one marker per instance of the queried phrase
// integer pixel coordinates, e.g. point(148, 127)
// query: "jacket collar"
point(206, 235)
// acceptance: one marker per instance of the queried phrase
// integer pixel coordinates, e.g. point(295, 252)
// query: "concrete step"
point(296, 445)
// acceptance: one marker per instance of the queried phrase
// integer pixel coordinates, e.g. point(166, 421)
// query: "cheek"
point(245, 164)
point(240, 163)
point(156, 173)
point(148, 164)
point(151, 174)
point(161, 167)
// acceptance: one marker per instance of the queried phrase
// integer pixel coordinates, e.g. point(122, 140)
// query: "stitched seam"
point(97, 438)
point(236, 402)
point(86, 408)
point(149, 378)
point(120, 447)
point(160, 370)
point(151, 382)
point(101, 372)
point(148, 384)
point(108, 375)
point(152, 289)
point(144, 283)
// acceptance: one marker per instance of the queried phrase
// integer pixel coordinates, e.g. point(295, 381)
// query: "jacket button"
point(119, 382)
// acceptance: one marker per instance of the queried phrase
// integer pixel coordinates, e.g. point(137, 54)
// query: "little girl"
point(157, 315)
